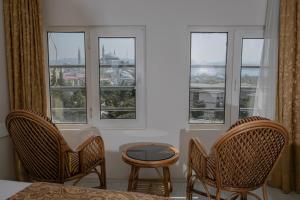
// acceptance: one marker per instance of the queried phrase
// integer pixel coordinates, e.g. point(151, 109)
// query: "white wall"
point(6, 155)
point(166, 24)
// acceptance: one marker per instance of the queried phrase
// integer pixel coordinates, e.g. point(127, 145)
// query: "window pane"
point(61, 76)
point(117, 98)
point(207, 76)
point(117, 78)
point(67, 77)
point(252, 51)
point(207, 84)
point(251, 57)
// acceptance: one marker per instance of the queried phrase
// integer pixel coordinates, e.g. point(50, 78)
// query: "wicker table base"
point(161, 186)
point(153, 156)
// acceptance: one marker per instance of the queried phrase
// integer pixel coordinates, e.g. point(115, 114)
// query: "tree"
point(78, 99)
point(219, 115)
point(61, 81)
point(53, 79)
point(118, 99)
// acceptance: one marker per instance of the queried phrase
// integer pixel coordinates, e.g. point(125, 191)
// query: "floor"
point(180, 186)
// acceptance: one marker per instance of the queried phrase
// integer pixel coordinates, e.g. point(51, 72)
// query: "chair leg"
point(189, 184)
point(244, 196)
point(265, 193)
point(190, 187)
point(103, 175)
point(218, 194)
point(189, 196)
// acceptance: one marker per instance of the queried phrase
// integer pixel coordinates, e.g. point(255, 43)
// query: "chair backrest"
point(38, 144)
point(247, 153)
point(247, 119)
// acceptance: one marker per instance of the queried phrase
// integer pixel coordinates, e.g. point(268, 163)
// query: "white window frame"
point(92, 76)
point(137, 32)
point(228, 74)
point(240, 34)
point(69, 126)
point(233, 67)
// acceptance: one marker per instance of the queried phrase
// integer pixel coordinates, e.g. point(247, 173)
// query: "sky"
point(210, 49)
point(206, 48)
point(66, 45)
point(124, 48)
point(252, 51)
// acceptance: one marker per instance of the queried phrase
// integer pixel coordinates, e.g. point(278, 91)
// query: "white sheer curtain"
point(265, 99)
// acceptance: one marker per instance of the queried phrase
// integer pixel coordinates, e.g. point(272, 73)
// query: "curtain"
point(287, 173)
point(24, 56)
point(265, 98)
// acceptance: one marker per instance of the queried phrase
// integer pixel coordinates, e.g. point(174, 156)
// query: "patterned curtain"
point(24, 56)
point(287, 173)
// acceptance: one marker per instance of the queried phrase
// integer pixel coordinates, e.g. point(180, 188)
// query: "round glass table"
point(150, 155)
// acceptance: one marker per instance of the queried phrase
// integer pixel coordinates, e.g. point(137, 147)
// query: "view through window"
point(207, 77)
point(117, 78)
point(67, 77)
point(251, 58)
point(119, 57)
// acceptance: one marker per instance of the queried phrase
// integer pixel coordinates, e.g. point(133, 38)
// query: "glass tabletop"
point(151, 152)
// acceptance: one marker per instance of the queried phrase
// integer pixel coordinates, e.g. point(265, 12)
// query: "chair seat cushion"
point(71, 164)
point(211, 168)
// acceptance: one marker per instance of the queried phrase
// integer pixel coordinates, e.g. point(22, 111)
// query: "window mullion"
point(236, 68)
point(89, 77)
point(230, 78)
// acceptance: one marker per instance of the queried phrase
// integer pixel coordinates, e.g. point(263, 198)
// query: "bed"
point(37, 191)
point(9, 188)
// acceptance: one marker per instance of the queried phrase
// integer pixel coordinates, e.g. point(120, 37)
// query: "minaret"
point(79, 57)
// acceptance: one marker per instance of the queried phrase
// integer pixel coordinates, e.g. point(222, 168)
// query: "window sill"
point(72, 127)
point(210, 127)
point(77, 127)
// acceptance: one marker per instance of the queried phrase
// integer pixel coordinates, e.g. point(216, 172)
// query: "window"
point(224, 71)
point(207, 80)
point(108, 88)
point(117, 78)
point(67, 77)
point(251, 58)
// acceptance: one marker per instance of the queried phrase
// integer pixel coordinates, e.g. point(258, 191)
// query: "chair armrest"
point(197, 157)
point(91, 151)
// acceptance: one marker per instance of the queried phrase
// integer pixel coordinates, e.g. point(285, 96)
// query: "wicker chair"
point(240, 160)
point(46, 156)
